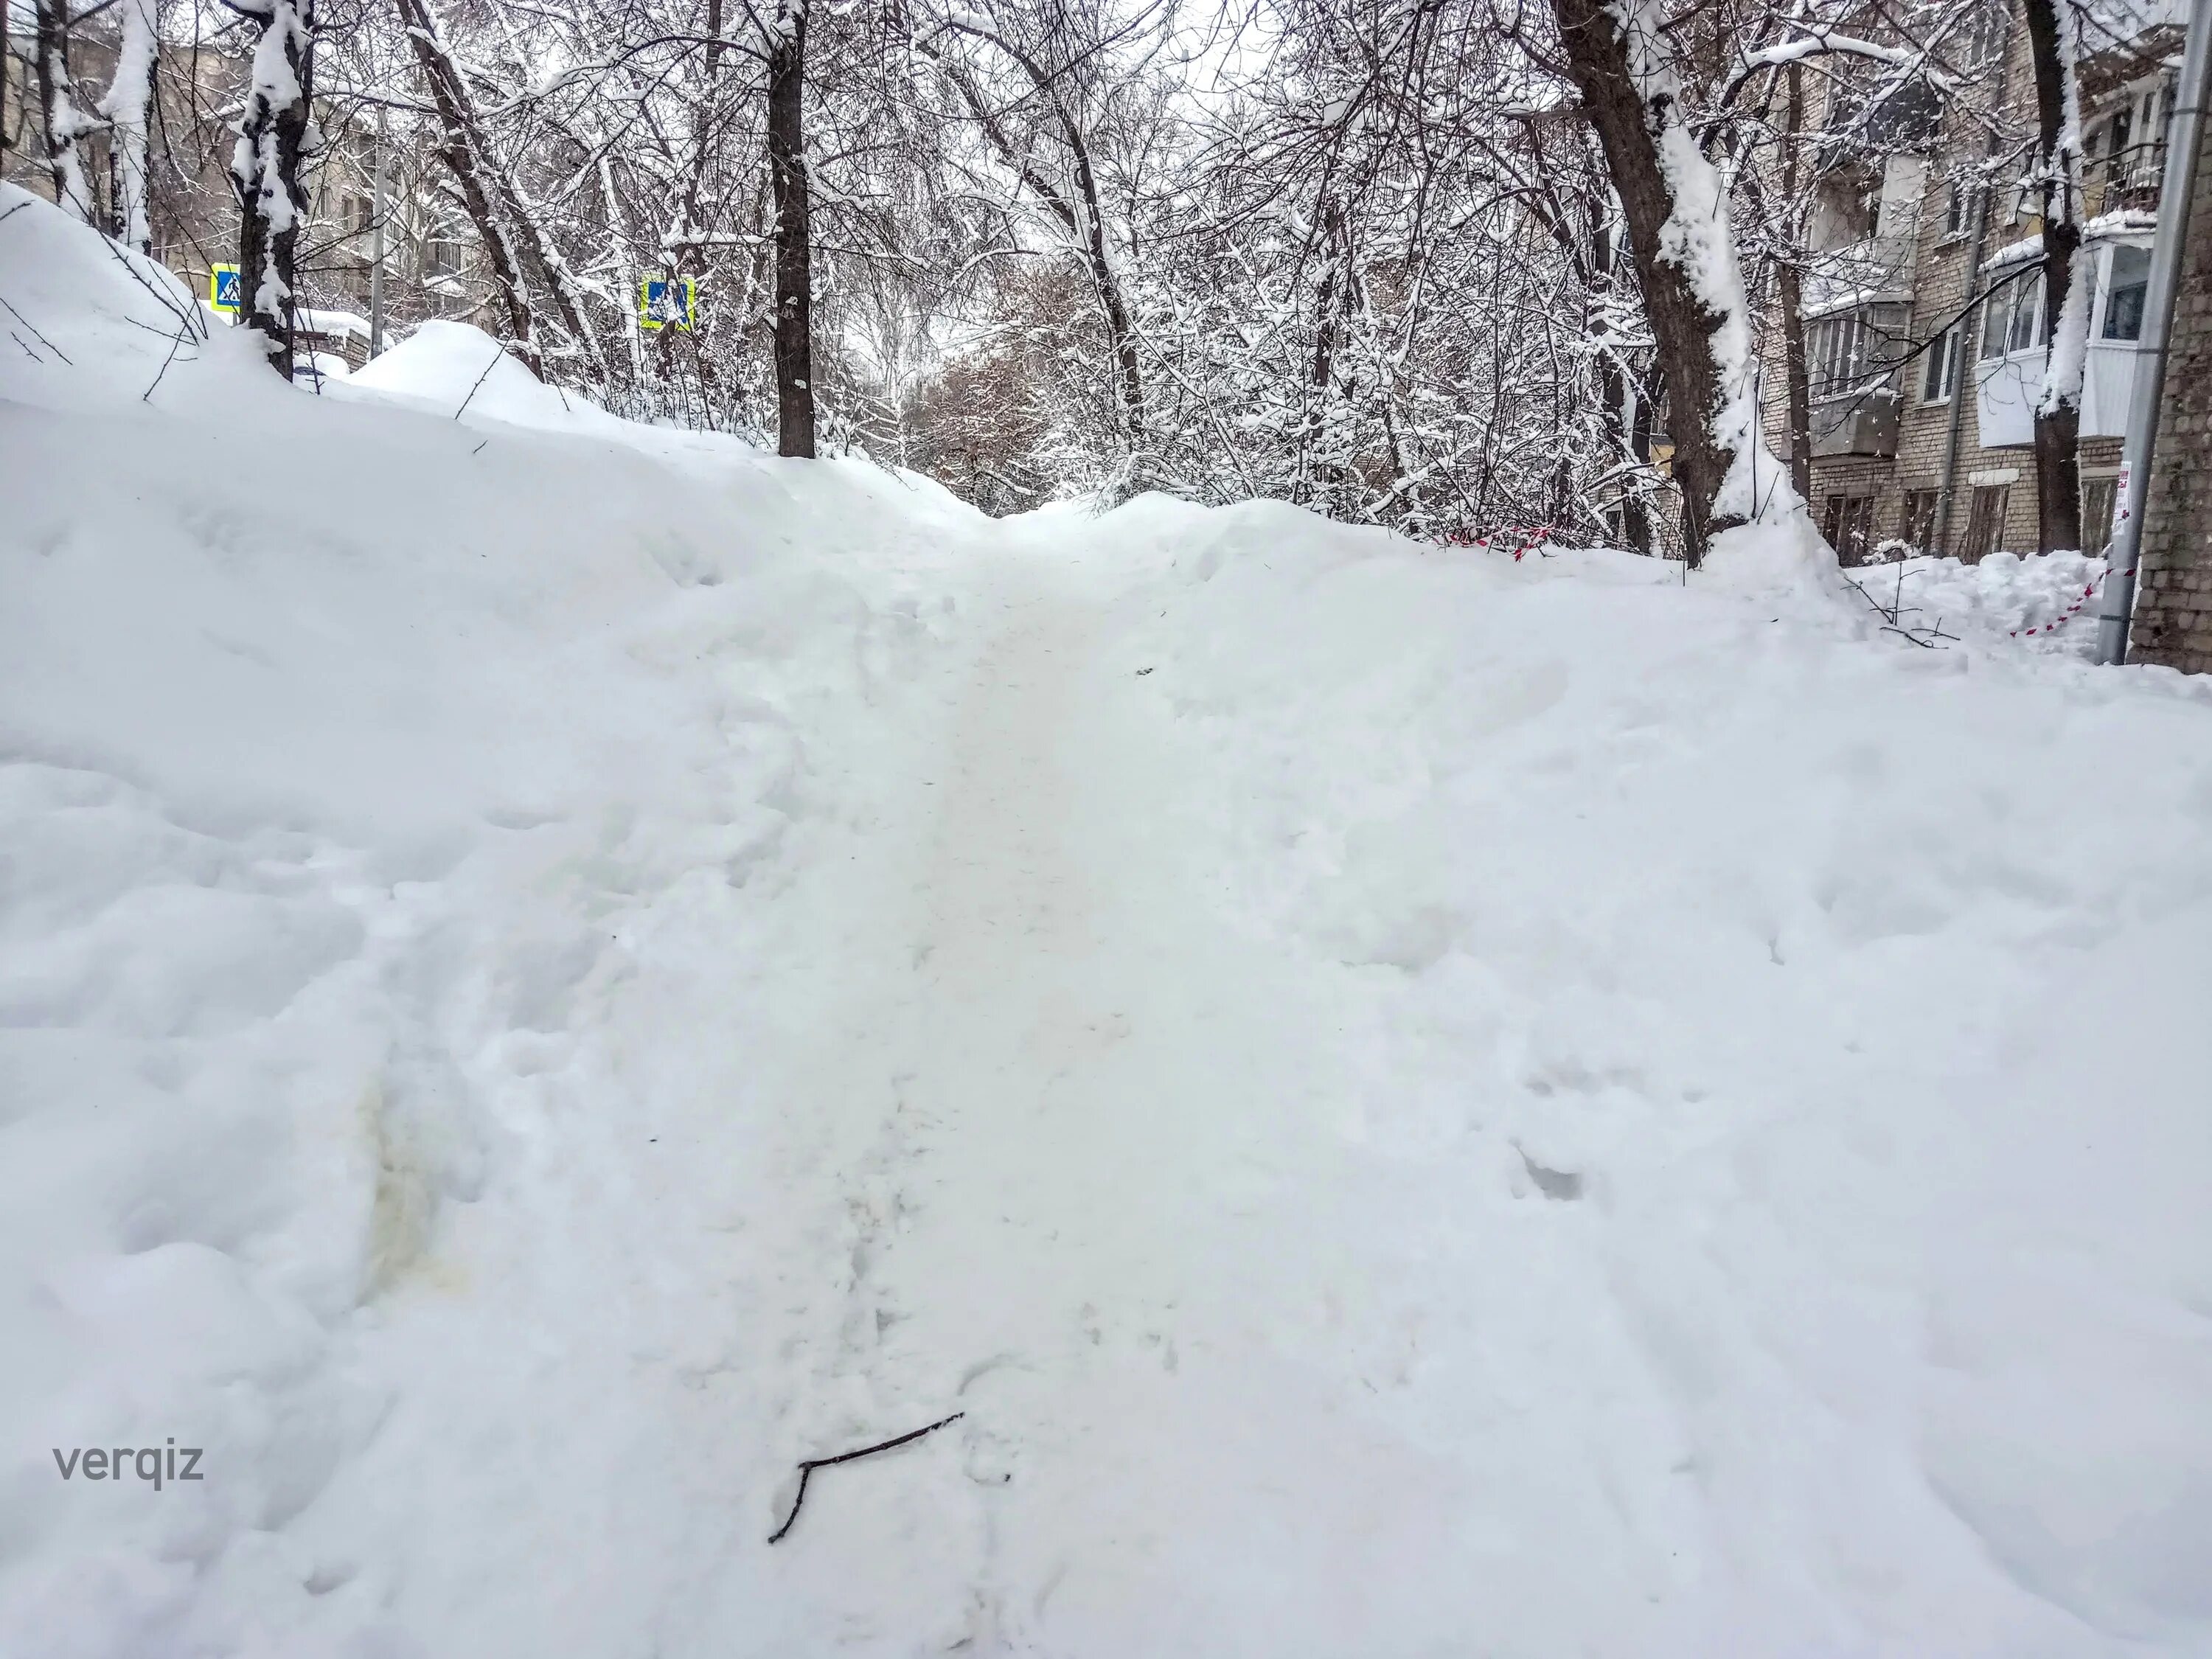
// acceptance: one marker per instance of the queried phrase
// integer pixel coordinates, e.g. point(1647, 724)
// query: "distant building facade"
point(1922, 423)
point(2173, 596)
point(432, 265)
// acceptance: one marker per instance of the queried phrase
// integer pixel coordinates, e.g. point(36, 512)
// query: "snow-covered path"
point(1051, 1172)
point(1013, 1123)
point(1003, 1114)
point(1304, 1292)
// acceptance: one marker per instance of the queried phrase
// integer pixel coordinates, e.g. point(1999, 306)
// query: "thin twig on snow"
point(806, 1468)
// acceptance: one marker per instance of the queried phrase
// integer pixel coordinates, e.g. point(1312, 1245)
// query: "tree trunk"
point(60, 119)
point(1613, 414)
point(265, 167)
point(1695, 311)
point(2051, 37)
point(1635, 511)
point(463, 154)
point(1786, 283)
point(1315, 424)
point(1086, 226)
point(794, 232)
point(1108, 284)
point(1619, 409)
point(130, 99)
point(1789, 281)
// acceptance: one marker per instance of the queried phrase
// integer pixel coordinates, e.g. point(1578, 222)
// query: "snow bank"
point(91, 322)
point(1808, 1020)
point(1411, 1099)
point(444, 367)
point(2043, 603)
point(337, 744)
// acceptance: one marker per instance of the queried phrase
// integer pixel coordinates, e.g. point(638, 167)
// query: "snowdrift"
point(1418, 1103)
point(446, 367)
point(307, 706)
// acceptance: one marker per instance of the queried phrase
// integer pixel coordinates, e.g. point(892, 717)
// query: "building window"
point(2099, 497)
point(2111, 139)
point(1844, 351)
point(1849, 205)
point(1848, 523)
point(441, 256)
point(1956, 201)
point(1985, 522)
point(1939, 374)
point(1831, 347)
point(1985, 33)
point(2123, 296)
point(2124, 155)
point(2012, 318)
point(1917, 531)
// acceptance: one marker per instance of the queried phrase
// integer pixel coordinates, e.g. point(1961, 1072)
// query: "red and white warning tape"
point(1535, 541)
point(2060, 621)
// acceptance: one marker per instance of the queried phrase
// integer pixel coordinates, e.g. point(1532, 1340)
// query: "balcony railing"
point(2127, 179)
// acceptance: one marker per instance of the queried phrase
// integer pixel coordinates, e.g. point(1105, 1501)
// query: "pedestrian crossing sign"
point(222, 288)
point(661, 301)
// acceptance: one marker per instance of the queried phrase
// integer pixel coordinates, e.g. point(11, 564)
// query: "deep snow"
point(1419, 1104)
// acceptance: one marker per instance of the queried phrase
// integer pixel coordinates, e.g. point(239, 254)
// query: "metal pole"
point(376, 268)
point(2166, 256)
point(1965, 381)
point(1965, 377)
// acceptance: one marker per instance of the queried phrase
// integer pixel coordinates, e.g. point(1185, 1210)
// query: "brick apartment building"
point(1936, 454)
point(2173, 600)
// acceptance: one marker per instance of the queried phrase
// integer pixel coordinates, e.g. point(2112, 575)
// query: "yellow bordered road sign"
point(661, 301)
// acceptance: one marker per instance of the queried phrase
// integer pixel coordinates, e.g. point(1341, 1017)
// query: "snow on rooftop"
point(311, 319)
point(1851, 299)
point(2118, 22)
point(2127, 224)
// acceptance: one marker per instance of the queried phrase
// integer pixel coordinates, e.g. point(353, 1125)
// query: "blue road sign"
point(659, 304)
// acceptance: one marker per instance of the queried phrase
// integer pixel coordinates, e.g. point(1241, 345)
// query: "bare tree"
point(795, 234)
point(1788, 283)
point(2054, 32)
point(1360, 254)
point(1680, 232)
point(464, 151)
point(1051, 78)
point(266, 168)
point(62, 122)
point(130, 99)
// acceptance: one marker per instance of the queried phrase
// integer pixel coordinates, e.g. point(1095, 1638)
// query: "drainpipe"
point(376, 268)
point(2142, 445)
point(1965, 382)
